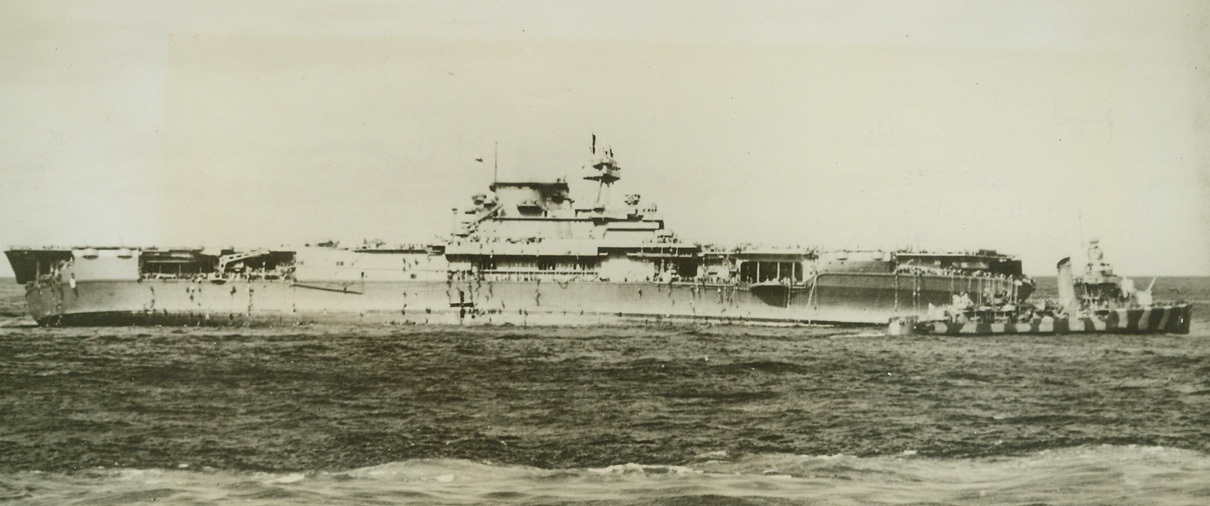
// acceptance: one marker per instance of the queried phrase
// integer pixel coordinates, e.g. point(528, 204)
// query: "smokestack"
point(1067, 287)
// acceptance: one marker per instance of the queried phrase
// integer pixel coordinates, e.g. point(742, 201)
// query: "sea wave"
point(1079, 475)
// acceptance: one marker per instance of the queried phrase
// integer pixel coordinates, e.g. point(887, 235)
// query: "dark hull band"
point(452, 317)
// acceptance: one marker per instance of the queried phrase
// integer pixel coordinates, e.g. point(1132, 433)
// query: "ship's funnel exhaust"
point(1067, 286)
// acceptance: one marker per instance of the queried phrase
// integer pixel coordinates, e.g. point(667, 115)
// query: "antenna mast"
point(607, 173)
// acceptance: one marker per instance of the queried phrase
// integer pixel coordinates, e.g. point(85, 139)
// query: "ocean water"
point(684, 414)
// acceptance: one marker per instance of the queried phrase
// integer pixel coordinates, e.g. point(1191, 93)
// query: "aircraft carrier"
point(525, 252)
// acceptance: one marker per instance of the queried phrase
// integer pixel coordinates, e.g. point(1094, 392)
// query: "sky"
point(1025, 127)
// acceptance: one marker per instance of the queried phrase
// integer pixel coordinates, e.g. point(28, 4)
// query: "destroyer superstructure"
point(524, 252)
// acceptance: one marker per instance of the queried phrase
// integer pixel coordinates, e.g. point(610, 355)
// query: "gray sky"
point(1018, 126)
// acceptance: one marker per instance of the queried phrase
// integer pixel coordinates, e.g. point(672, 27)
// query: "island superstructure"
point(524, 252)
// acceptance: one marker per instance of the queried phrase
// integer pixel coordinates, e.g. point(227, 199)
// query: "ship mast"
point(607, 173)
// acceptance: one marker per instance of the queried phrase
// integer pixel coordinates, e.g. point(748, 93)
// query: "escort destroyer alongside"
point(525, 252)
point(1097, 302)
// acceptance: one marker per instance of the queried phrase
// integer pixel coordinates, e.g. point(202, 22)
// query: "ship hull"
point(898, 294)
point(849, 298)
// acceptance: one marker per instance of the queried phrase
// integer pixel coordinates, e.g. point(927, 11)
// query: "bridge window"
point(545, 264)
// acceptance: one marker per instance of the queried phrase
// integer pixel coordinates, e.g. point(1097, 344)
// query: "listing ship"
point(1097, 302)
point(523, 253)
